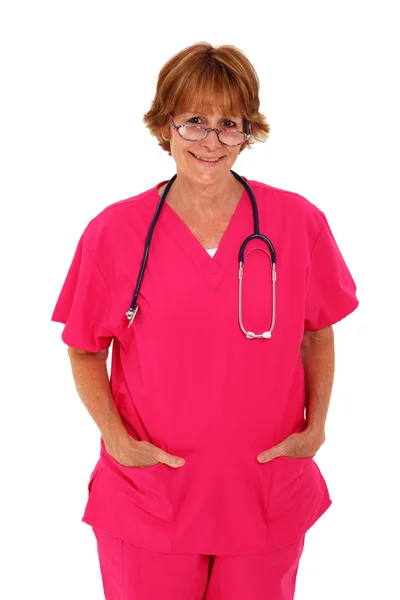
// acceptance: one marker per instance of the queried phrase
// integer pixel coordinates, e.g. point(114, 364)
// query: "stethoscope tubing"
point(134, 307)
point(256, 235)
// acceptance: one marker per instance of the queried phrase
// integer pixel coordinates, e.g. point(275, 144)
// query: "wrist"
point(116, 434)
point(316, 430)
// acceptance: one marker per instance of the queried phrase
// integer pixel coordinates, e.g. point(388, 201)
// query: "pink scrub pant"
point(132, 573)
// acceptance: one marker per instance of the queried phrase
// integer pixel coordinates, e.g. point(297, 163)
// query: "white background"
point(76, 79)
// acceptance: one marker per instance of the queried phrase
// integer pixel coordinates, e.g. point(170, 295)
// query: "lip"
point(205, 162)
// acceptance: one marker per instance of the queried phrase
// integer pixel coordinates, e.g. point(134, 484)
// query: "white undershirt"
point(211, 251)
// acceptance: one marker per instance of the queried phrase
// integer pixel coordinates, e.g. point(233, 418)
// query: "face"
point(188, 154)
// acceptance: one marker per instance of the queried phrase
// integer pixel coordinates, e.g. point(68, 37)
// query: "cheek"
point(178, 150)
point(234, 153)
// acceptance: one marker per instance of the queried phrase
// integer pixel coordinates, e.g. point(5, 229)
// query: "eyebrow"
point(198, 114)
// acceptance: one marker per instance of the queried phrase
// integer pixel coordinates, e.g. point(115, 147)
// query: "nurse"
point(206, 482)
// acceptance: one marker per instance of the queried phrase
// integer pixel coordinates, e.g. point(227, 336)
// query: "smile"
point(216, 159)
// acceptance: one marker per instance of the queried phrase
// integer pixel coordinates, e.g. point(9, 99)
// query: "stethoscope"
point(256, 235)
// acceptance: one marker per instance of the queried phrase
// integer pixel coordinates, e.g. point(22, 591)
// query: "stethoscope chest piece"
point(131, 314)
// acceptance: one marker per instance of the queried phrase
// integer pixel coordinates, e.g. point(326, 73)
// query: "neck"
point(202, 199)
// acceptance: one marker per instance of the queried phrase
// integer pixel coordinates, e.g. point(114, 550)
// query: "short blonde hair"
point(197, 75)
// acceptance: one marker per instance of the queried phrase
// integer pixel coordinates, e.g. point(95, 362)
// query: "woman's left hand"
point(297, 445)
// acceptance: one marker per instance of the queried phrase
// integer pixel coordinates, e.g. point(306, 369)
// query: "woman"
point(206, 483)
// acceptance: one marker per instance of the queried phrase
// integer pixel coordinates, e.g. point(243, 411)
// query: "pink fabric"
point(132, 573)
point(186, 378)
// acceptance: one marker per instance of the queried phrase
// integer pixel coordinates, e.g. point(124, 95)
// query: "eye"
point(193, 120)
point(228, 124)
point(225, 123)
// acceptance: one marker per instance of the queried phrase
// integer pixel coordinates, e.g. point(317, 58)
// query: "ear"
point(165, 135)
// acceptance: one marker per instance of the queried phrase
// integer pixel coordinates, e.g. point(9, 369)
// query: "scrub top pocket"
point(297, 498)
point(148, 488)
point(286, 474)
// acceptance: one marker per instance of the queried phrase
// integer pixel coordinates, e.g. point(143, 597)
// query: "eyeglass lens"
point(195, 134)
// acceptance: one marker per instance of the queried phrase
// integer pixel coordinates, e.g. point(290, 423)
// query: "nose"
point(211, 141)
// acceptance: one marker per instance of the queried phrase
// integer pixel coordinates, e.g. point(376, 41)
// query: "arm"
point(317, 354)
point(318, 357)
point(90, 375)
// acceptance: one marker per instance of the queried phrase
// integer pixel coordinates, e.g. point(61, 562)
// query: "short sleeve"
point(331, 290)
point(84, 304)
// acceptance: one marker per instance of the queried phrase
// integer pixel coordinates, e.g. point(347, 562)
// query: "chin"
point(207, 174)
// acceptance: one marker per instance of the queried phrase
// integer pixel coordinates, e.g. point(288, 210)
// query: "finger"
point(169, 459)
point(272, 453)
point(160, 456)
point(285, 448)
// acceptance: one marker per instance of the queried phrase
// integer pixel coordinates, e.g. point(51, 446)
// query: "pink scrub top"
point(185, 378)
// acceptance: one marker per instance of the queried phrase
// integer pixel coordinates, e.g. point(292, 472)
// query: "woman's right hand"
point(133, 453)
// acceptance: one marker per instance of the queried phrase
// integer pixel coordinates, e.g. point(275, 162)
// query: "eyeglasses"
point(195, 133)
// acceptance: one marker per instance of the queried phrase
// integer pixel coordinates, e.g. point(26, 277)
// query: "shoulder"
point(116, 218)
point(290, 205)
point(285, 198)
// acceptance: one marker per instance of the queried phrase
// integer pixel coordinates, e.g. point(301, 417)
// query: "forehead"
point(210, 101)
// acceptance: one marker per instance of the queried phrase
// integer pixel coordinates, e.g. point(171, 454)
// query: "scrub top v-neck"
point(185, 378)
point(190, 245)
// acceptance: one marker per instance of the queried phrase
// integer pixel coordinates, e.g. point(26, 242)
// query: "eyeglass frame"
point(207, 131)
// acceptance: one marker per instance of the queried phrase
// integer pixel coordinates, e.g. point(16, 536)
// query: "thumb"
point(160, 455)
point(169, 459)
point(270, 454)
